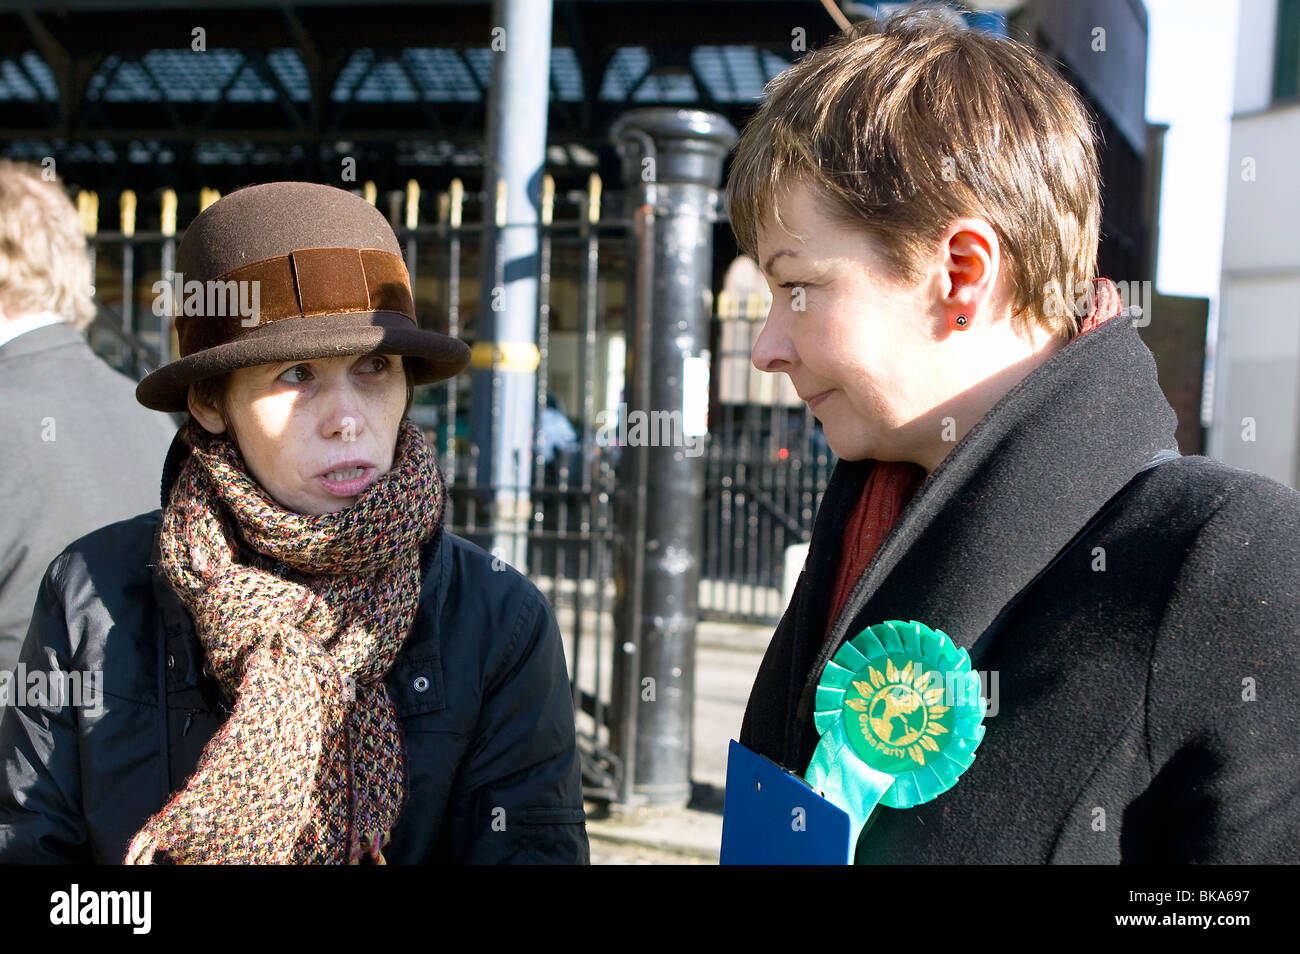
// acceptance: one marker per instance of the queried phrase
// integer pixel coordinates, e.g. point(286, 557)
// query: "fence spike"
point(412, 203)
point(593, 198)
point(725, 300)
point(457, 197)
point(126, 206)
point(88, 207)
point(169, 212)
point(548, 199)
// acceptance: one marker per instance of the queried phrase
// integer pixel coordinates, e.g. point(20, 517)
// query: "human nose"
point(343, 416)
point(773, 350)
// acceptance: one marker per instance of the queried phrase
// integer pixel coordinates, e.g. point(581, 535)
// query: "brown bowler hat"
point(288, 271)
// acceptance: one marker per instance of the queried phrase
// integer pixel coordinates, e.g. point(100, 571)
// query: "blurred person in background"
point(556, 432)
point(78, 451)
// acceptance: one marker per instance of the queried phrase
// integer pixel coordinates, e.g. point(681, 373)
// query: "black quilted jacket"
point(480, 687)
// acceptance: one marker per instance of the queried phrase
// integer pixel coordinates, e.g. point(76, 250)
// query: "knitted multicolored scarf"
point(308, 768)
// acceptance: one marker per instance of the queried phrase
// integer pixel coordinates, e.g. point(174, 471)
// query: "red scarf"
point(891, 484)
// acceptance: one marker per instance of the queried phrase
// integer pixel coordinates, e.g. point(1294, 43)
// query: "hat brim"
point(432, 356)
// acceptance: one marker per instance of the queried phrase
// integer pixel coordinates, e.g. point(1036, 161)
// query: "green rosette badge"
point(899, 710)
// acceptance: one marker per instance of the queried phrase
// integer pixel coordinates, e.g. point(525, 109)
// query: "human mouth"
point(347, 479)
point(817, 399)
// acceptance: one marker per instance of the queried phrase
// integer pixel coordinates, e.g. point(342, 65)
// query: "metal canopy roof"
point(283, 85)
point(91, 68)
point(722, 74)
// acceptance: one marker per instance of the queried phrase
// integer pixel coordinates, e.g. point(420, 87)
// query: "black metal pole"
point(672, 167)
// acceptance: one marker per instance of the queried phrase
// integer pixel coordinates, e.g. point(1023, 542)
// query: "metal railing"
point(766, 463)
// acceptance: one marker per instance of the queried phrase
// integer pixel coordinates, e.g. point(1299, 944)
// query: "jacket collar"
point(1014, 491)
point(15, 327)
point(43, 338)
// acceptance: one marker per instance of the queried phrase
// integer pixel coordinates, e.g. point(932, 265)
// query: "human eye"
point(293, 375)
point(374, 364)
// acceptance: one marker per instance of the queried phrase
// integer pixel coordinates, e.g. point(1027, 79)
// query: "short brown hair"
point(43, 260)
point(903, 125)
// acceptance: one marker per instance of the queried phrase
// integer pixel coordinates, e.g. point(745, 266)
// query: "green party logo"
point(898, 713)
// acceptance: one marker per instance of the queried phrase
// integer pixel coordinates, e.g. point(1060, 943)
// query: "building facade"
point(1256, 366)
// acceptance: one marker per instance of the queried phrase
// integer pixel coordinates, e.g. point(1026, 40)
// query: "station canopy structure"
point(158, 92)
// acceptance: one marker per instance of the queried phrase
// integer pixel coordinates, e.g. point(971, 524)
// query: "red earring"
point(959, 322)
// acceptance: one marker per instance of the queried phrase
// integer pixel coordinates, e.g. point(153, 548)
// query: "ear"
point(205, 413)
point(972, 261)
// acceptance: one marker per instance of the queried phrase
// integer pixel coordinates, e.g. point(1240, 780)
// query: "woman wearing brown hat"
point(924, 201)
point(340, 678)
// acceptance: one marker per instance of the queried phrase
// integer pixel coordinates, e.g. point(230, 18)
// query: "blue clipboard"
point(771, 817)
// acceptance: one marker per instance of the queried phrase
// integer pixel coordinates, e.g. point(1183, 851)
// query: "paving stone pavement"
point(727, 659)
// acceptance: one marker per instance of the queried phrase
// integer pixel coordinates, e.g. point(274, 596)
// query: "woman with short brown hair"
point(1009, 498)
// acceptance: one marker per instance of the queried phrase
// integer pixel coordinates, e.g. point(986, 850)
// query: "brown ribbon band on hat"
point(302, 284)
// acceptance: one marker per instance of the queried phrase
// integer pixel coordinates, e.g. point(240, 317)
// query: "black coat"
point(1148, 684)
point(481, 691)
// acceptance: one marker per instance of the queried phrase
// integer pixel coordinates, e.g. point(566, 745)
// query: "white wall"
point(1256, 43)
point(1258, 419)
point(1257, 363)
point(1262, 201)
